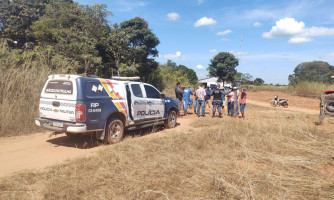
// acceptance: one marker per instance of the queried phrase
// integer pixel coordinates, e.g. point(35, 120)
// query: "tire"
point(273, 104)
point(330, 106)
point(171, 119)
point(285, 104)
point(114, 131)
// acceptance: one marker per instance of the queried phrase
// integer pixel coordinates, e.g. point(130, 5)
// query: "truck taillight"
point(80, 112)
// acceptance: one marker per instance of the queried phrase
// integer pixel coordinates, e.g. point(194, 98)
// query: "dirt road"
point(38, 151)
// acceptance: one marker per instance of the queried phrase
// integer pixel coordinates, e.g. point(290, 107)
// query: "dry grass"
point(306, 89)
point(22, 75)
point(271, 155)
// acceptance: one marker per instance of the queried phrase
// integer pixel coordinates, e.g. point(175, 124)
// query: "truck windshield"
point(59, 87)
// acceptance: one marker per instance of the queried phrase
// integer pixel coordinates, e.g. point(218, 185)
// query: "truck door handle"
point(149, 102)
point(135, 102)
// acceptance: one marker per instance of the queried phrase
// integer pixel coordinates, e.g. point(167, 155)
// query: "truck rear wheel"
point(171, 119)
point(114, 131)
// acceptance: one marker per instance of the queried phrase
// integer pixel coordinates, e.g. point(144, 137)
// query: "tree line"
point(80, 35)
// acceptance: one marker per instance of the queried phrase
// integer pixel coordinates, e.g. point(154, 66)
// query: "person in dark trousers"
point(179, 96)
point(208, 93)
point(217, 100)
point(196, 100)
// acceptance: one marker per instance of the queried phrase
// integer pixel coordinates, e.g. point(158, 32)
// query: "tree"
point(142, 48)
point(117, 44)
point(191, 76)
point(316, 71)
point(73, 31)
point(16, 17)
point(258, 81)
point(223, 66)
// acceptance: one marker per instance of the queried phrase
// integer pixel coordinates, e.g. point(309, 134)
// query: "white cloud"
point(173, 56)
point(126, 6)
point(225, 39)
point(173, 16)
point(213, 50)
point(296, 31)
point(204, 21)
point(257, 24)
point(224, 32)
point(299, 40)
point(200, 2)
point(200, 67)
point(330, 56)
point(240, 53)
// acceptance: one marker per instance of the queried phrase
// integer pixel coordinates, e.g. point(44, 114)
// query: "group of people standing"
point(219, 94)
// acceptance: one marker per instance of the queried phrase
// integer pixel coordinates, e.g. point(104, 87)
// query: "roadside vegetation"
point(272, 154)
point(66, 37)
point(305, 89)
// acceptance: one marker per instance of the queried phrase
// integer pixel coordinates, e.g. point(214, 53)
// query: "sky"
point(270, 38)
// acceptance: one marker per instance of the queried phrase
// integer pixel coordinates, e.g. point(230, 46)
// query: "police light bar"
point(120, 78)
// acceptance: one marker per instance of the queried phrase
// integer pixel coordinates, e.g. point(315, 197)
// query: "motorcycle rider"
point(276, 99)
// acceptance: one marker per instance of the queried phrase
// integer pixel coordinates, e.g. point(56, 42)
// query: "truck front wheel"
point(114, 131)
point(171, 119)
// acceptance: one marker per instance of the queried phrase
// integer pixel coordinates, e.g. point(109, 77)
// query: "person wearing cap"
point(242, 102)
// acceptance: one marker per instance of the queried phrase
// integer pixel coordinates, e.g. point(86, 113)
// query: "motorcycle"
point(281, 102)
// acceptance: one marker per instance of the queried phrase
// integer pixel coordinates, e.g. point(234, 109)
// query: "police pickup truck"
point(74, 104)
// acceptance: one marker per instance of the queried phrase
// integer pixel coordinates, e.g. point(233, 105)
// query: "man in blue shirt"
point(186, 98)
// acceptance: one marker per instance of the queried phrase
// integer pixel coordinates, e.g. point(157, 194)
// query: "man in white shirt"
point(200, 93)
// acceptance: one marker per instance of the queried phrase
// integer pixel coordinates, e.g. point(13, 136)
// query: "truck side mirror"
point(162, 96)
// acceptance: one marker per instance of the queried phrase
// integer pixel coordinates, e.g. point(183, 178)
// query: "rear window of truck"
point(59, 87)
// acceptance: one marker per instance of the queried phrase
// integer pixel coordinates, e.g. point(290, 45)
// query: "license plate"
point(58, 124)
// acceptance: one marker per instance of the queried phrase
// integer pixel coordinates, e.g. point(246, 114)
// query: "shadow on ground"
point(80, 141)
point(89, 140)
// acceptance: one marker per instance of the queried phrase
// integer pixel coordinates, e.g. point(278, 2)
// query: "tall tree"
point(16, 17)
point(117, 44)
point(223, 66)
point(316, 71)
point(142, 48)
point(73, 31)
point(191, 76)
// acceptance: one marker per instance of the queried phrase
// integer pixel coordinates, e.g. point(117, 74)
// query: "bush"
point(22, 76)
